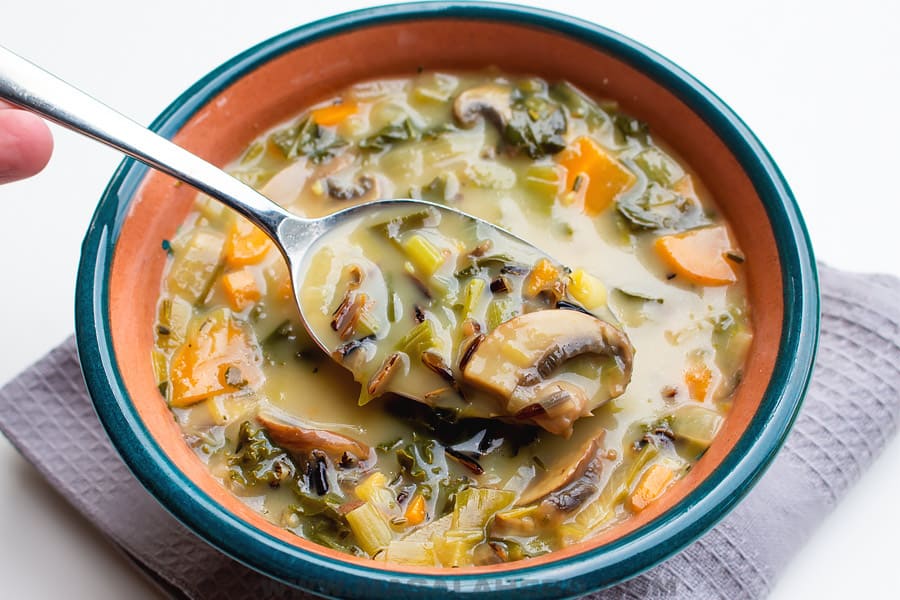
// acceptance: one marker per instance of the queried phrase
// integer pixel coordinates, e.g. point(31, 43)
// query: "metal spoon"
point(27, 85)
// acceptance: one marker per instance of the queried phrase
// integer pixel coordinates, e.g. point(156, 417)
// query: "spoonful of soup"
point(413, 298)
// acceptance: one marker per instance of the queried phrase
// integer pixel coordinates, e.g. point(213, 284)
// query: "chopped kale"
point(627, 127)
point(256, 460)
point(306, 138)
point(659, 208)
point(404, 131)
point(416, 459)
point(536, 127)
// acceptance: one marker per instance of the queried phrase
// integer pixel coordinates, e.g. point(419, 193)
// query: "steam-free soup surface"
point(478, 402)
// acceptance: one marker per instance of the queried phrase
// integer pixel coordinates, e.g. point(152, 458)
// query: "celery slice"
point(374, 490)
point(454, 549)
point(370, 527)
point(434, 88)
point(475, 506)
point(500, 311)
point(194, 268)
point(545, 181)
point(472, 295)
point(424, 255)
point(420, 338)
point(407, 552)
point(696, 425)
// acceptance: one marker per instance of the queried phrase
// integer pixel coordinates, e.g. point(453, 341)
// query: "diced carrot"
point(415, 510)
point(241, 289)
point(216, 358)
point(698, 378)
point(543, 276)
point(698, 255)
point(334, 114)
point(246, 244)
point(594, 175)
point(653, 483)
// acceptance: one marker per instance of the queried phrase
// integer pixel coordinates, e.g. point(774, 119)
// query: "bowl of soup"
point(465, 414)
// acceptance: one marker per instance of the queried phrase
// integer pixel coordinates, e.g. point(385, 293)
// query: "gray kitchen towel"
point(851, 411)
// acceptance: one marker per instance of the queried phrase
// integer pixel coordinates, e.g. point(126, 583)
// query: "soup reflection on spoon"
point(451, 311)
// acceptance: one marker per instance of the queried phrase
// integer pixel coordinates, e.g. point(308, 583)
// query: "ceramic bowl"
point(272, 82)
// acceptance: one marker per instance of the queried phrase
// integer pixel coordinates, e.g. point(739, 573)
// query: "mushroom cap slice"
point(303, 440)
point(491, 101)
point(564, 471)
point(518, 359)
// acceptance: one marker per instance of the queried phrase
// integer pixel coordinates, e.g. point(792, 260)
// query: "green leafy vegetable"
point(627, 128)
point(256, 460)
point(416, 460)
point(579, 105)
point(659, 208)
point(536, 127)
point(404, 131)
point(306, 138)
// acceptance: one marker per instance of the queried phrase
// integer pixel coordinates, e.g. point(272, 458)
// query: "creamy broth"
point(433, 464)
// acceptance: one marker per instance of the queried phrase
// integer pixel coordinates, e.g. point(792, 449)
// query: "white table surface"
point(817, 82)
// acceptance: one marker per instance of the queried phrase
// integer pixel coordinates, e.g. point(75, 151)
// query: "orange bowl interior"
point(281, 88)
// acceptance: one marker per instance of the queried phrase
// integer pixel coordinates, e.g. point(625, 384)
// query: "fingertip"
point(25, 145)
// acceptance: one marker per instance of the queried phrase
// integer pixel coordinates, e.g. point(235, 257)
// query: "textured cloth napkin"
point(852, 409)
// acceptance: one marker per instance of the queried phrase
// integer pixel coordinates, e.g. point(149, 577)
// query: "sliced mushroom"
point(491, 101)
point(286, 186)
point(564, 471)
point(303, 440)
point(517, 359)
point(556, 406)
point(574, 494)
point(364, 189)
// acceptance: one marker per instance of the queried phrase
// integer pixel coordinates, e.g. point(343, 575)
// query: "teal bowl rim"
point(594, 569)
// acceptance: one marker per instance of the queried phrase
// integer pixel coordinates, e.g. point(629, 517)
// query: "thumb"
point(25, 144)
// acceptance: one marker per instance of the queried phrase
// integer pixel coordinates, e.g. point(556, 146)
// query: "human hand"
point(25, 143)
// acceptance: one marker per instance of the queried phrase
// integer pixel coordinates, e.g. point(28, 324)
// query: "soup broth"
point(477, 401)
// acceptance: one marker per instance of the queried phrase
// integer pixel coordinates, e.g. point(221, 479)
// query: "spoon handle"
point(27, 85)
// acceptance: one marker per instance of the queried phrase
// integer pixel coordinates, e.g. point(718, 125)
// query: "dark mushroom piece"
point(364, 189)
point(563, 472)
point(516, 360)
point(555, 493)
point(302, 440)
point(574, 494)
point(491, 101)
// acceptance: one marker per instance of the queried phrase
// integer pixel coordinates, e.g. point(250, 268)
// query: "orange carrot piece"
point(241, 289)
point(653, 483)
point(698, 378)
point(217, 358)
point(542, 277)
point(415, 511)
point(334, 114)
point(246, 244)
point(594, 175)
point(698, 255)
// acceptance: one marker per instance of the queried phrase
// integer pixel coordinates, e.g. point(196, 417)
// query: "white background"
point(817, 82)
